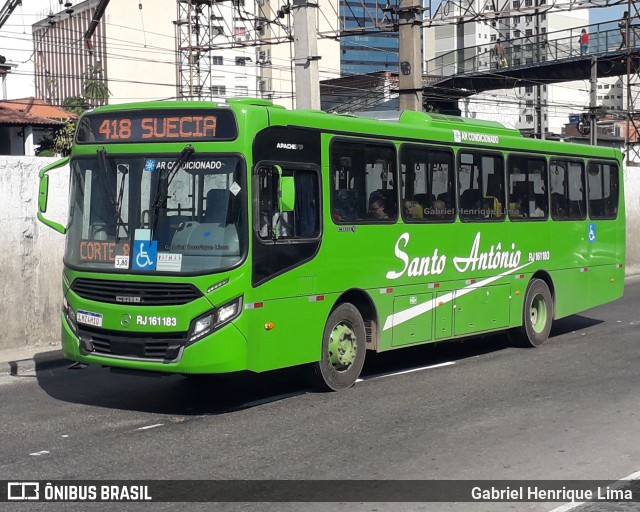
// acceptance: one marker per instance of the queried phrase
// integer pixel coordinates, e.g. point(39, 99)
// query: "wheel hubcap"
point(342, 347)
point(538, 312)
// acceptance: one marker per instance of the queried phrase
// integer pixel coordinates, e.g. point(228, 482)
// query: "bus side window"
point(481, 186)
point(363, 181)
point(427, 184)
point(527, 187)
point(566, 181)
point(603, 190)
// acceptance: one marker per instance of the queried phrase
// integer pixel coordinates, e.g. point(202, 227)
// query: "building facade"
point(184, 49)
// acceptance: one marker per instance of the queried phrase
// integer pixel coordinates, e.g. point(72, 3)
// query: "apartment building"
point(160, 49)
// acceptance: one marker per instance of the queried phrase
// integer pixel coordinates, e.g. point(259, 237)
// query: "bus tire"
point(537, 315)
point(343, 350)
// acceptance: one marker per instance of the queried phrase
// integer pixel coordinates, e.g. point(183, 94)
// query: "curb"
point(41, 361)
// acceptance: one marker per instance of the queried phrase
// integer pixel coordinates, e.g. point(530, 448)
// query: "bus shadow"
point(220, 394)
point(198, 395)
point(571, 324)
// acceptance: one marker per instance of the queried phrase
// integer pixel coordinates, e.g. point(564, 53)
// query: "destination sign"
point(157, 126)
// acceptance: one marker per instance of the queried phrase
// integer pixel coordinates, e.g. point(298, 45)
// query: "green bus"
point(212, 237)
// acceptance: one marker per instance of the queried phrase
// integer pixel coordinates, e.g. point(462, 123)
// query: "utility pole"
point(410, 45)
point(540, 125)
point(306, 55)
point(593, 103)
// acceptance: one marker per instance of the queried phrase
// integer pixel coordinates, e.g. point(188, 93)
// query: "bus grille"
point(158, 346)
point(136, 294)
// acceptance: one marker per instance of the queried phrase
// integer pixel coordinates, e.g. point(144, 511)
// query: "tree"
point(95, 89)
point(94, 92)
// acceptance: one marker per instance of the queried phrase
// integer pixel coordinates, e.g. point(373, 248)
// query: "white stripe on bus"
point(408, 314)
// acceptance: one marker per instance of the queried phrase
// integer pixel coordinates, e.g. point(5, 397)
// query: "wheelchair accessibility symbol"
point(145, 254)
point(592, 233)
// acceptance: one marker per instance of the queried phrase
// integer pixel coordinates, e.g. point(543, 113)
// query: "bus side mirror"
point(43, 195)
point(286, 192)
point(44, 192)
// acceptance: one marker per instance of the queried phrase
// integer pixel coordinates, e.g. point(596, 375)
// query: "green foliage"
point(94, 92)
point(95, 89)
point(59, 142)
point(75, 104)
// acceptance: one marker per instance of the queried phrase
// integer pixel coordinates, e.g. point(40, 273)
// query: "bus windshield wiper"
point(163, 192)
point(115, 201)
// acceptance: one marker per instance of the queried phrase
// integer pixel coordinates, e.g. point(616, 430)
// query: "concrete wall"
point(632, 203)
point(31, 253)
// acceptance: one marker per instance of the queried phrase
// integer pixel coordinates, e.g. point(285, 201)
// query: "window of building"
point(480, 186)
point(529, 103)
point(528, 118)
point(566, 181)
point(516, 33)
point(218, 90)
point(528, 3)
point(217, 30)
point(516, 4)
point(493, 37)
point(217, 60)
point(603, 190)
point(517, 61)
point(516, 20)
point(528, 32)
point(527, 18)
point(240, 33)
point(543, 16)
point(529, 89)
point(363, 182)
point(242, 90)
point(527, 187)
point(428, 192)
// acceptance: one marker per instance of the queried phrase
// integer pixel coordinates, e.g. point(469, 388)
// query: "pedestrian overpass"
point(532, 60)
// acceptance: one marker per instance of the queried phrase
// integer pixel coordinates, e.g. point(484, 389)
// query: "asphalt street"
point(477, 409)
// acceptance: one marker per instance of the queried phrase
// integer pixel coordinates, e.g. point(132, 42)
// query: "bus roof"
point(430, 127)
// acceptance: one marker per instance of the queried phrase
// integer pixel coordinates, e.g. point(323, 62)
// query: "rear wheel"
point(343, 350)
point(537, 315)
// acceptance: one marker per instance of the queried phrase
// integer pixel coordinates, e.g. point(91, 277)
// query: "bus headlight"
point(212, 320)
point(70, 315)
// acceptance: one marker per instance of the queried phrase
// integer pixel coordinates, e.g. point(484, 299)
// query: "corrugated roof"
point(32, 111)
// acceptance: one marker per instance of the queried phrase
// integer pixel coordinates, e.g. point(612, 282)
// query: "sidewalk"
point(20, 360)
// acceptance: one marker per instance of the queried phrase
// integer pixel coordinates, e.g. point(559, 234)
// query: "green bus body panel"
point(418, 329)
point(485, 310)
point(283, 318)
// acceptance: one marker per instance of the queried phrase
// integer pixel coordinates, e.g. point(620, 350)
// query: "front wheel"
point(343, 350)
point(537, 315)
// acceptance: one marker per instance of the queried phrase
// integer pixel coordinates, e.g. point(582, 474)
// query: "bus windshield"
point(179, 213)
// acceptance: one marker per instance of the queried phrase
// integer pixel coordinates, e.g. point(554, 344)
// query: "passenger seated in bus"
point(413, 209)
point(377, 209)
point(345, 205)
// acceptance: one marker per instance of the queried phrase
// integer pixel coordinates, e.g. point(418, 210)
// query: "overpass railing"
point(529, 50)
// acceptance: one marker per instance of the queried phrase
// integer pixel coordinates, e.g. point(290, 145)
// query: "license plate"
point(89, 318)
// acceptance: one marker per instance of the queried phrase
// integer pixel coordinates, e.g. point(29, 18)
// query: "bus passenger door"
point(416, 329)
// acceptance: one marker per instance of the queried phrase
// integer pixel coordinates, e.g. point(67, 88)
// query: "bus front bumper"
point(222, 351)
